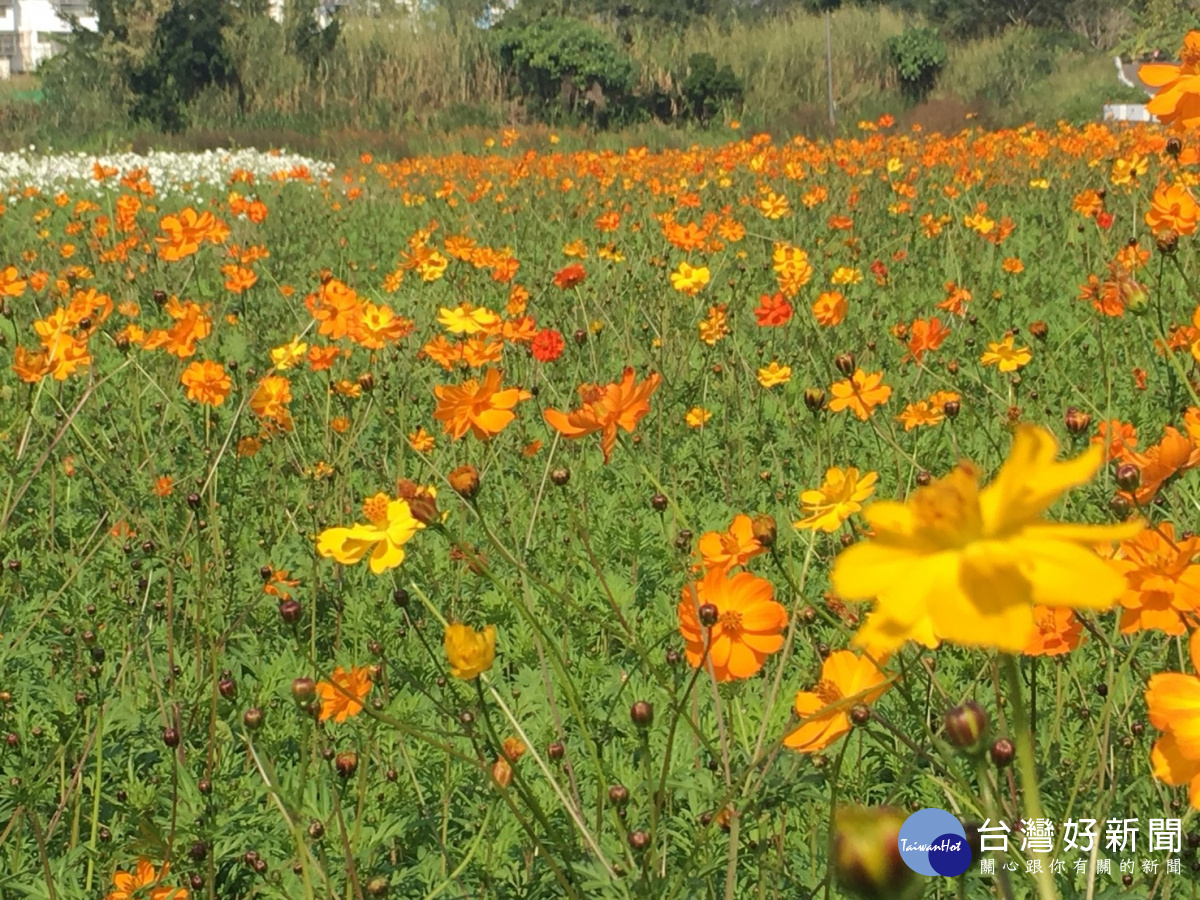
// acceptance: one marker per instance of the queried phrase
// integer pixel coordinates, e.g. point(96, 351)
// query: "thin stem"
point(1027, 765)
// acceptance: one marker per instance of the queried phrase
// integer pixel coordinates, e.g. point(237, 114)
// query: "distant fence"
point(1127, 112)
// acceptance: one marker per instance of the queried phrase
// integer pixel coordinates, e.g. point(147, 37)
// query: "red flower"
point(569, 276)
point(773, 310)
point(548, 345)
point(1104, 220)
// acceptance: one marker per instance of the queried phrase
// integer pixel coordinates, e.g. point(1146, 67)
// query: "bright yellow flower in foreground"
point(838, 498)
point(1173, 699)
point(967, 565)
point(774, 375)
point(289, 355)
point(128, 885)
point(1005, 356)
point(470, 652)
point(390, 525)
point(697, 416)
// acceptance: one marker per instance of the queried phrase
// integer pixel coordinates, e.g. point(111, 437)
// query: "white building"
point(30, 30)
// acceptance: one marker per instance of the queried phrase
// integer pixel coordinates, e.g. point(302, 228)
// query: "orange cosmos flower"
point(621, 404)
point(1163, 584)
point(336, 307)
point(206, 383)
point(343, 695)
point(11, 283)
point(1177, 102)
point(1175, 453)
point(860, 394)
point(270, 401)
point(1173, 700)
point(31, 367)
point(1173, 209)
point(238, 278)
point(726, 550)
point(480, 408)
point(925, 335)
point(830, 308)
point(569, 276)
point(846, 681)
point(773, 310)
point(1056, 631)
point(1118, 437)
point(144, 882)
point(734, 622)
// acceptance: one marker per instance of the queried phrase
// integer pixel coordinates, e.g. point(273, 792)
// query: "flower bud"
point(1174, 147)
point(465, 480)
point(1137, 299)
point(844, 362)
point(951, 408)
point(867, 860)
point(814, 399)
point(561, 476)
point(764, 529)
point(252, 718)
point(1039, 329)
point(366, 381)
point(1166, 242)
point(642, 714)
point(709, 614)
point(304, 691)
point(639, 840)
point(1002, 753)
point(346, 763)
point(618, 795)
point(658, 502)
point(289, 611)
point(1077, 421)
point(1128, 477)
point(967, 725)
point(1120, 507)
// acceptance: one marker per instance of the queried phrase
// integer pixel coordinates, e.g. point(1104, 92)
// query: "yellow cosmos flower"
point(470, 652)
point(697, 416)
point(965, 565)
point(774, 375)
point(390, 525)
point(845, 275)
point(467, 319)
point(289, 355)
point(1005, 356)
point(838, 498)
point(688, 279)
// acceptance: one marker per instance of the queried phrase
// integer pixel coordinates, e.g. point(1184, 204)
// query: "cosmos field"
point(551, 522)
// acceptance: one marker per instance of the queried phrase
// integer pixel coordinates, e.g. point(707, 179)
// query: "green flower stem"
point(1027, 764)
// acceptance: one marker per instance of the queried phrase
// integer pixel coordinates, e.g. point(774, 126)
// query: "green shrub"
point(918, 54)
point(707, 88)
point(565, 67)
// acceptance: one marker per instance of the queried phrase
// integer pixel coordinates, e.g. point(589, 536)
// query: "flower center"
point(376, 509)
point(731, 621)
point(947, 511)
point(828, 692)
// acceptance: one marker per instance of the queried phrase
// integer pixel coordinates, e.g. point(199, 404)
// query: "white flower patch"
point(169, 173)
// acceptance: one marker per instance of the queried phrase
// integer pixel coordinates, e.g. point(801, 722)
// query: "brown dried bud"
point(465, 480)
point(844, 362)
point(1128, 477)
point(1039, 329)
point(1167, 242)
point(366, 381)
point(951, 408)
point(764, 529)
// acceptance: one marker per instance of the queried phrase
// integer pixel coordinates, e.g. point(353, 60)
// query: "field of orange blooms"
point(549, 523)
